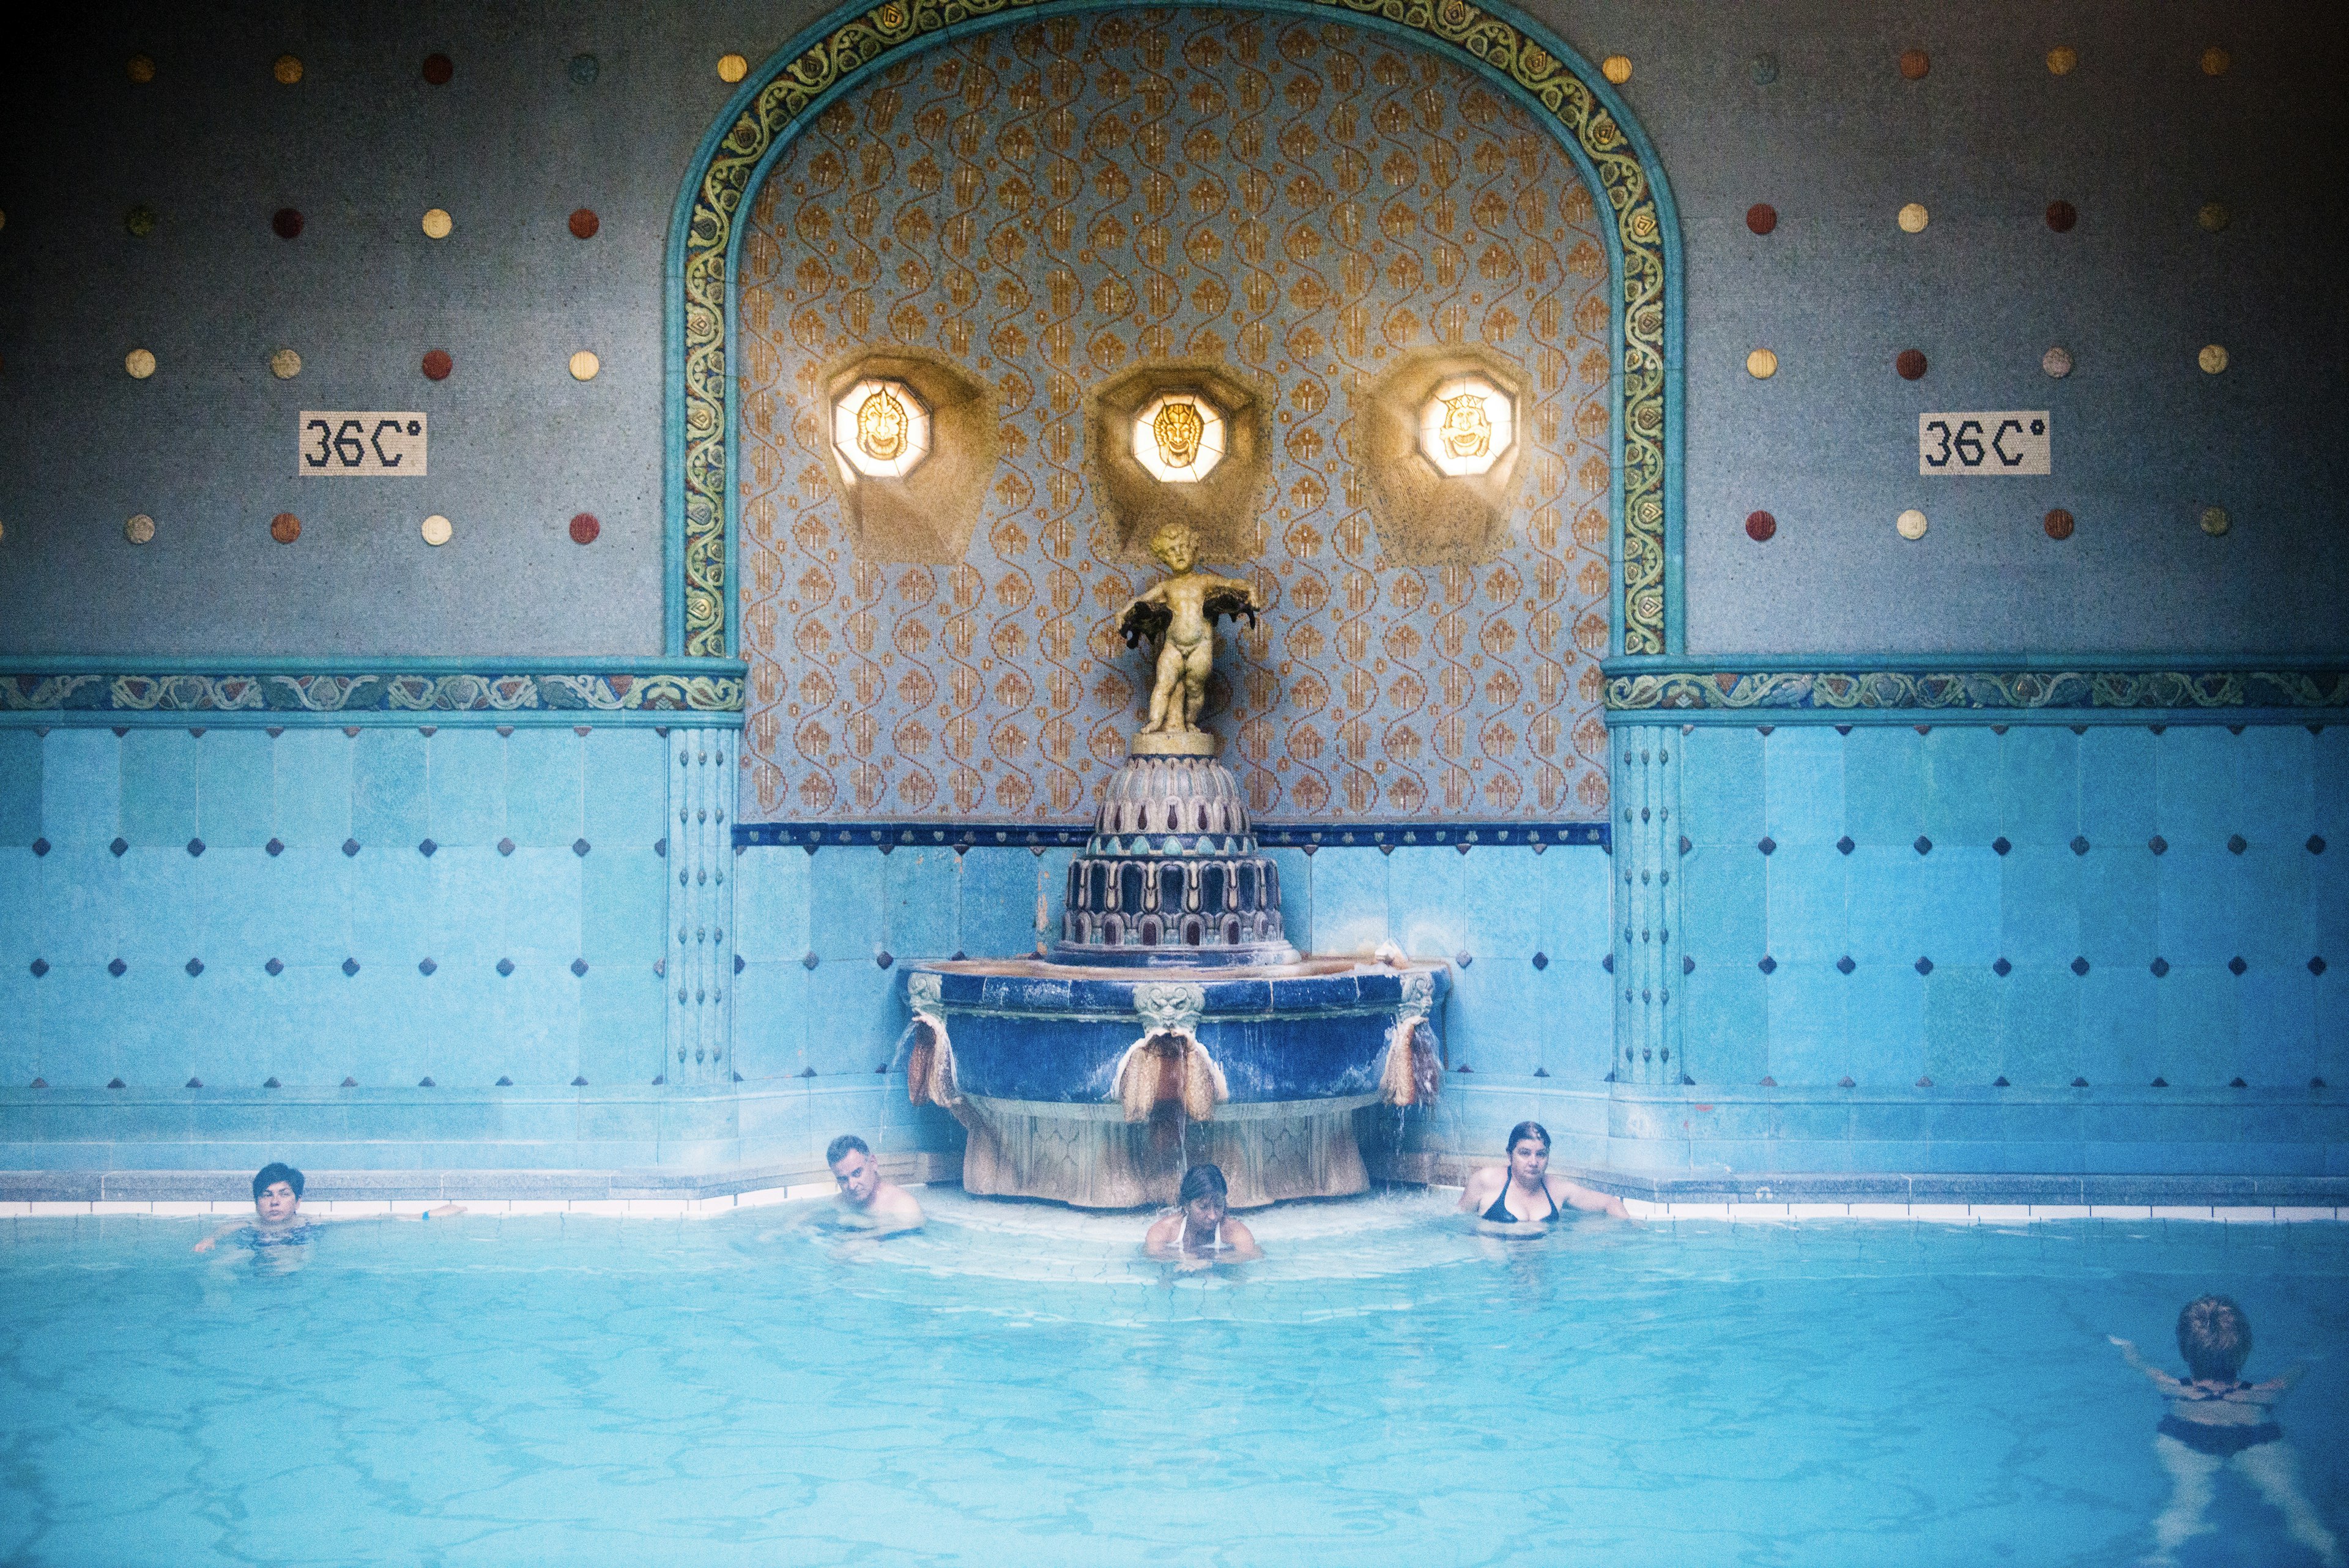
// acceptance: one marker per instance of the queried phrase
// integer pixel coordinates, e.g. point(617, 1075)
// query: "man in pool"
point(2216, 1422)
point(1524, 1193)
point(869, 1201)
point(277, 1217)
point(1200, 1229)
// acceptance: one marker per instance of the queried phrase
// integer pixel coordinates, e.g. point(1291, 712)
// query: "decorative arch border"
point(1514, 53)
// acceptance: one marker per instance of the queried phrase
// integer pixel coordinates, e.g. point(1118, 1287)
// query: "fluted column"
point(700, 965)
point(1646, 955)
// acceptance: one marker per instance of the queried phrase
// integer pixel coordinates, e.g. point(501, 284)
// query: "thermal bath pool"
point(1015, 1385)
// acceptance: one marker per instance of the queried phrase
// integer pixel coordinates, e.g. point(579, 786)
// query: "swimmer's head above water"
point(2215, 1338)
point(276, 1193)
point(1205, 1198)
point(854, 1168)
point(1528, 1152)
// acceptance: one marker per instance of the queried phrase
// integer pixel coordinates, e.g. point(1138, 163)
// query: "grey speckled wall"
point(2138, 138)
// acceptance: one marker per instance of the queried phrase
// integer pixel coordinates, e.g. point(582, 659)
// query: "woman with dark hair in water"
point(1523, 1192)
point(1200, 1229)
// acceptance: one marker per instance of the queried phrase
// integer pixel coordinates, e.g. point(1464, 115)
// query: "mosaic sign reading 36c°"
point(378, 445)
point(2006, 441)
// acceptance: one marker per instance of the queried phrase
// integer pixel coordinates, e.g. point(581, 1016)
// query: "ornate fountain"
point(1172, 1023)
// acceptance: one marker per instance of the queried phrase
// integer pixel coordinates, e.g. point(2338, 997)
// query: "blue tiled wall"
point(1525, 933)
point(1928, 860)
point(544, 855)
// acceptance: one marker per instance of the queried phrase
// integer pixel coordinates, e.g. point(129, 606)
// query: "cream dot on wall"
point(1762, 364)
point(1616, 69)
point(732, 68)
point(2215, 521)
point(1910, 524)
point(2063, 61)
point(286, 364)
point(1913, 218)
point(436, 530)
point(437, 224)
point(2213, 358)
point(584, 365)
point(138, 528)
point(140, 363)
point(2056, 362)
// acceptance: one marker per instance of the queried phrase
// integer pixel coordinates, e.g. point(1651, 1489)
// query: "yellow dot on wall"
point(584, 365)
point(138, 528)
point(1913, 218)
point(2213, 216)
point(286, 364)
point(140, 68)
point(2213, 358)
point(1761, 364)
point(732, 68)
point(2215, 521)
point(1616, 69)
point(436, 530)
point(287, 70)
point(437, 224)
point(2063, 61)
point(2215, 61)
point(1911, 524)
point(140, 363)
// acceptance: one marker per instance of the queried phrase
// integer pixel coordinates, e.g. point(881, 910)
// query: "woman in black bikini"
point(2217, 1421)
point(1523, 1192)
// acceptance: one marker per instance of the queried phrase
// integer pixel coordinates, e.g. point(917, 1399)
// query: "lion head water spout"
point(1172, 1022)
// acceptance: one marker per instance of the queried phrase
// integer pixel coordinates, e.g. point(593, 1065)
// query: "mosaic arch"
point(1297, 125)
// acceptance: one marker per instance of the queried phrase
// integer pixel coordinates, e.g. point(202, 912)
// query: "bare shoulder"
point(1162, 1230)
point(1236, 1230)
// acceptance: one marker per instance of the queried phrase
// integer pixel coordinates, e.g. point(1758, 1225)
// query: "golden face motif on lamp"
point(881, 426)
point(1468, 432)
point(1177, 429)
point(1178, 437)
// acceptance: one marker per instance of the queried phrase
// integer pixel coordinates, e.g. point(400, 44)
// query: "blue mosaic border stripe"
point(959, 835)
point(2055, 688)
point(284, 691)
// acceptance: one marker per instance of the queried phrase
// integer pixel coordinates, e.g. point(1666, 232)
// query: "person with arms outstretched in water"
point(1524, 1193)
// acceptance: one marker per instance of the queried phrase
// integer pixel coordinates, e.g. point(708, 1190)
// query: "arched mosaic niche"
point(1458, 693)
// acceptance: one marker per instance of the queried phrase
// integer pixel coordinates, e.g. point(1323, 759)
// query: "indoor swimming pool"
point(1015, 1385)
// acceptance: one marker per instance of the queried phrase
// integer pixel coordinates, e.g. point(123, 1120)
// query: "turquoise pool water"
point(1016, 1386)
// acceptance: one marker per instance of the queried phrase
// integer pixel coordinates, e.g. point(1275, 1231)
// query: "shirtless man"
point(1188, 652)
point(1522, 1193)
point(867, 1200)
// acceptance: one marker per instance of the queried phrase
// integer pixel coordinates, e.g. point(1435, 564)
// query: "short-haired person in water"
point(1523, 1192)
point(1200, 1230)
point(2217, 1422)
point(277, 1218)
point(868, 1200)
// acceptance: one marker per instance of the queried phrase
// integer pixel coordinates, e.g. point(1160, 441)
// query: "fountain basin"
point(1096, 1087)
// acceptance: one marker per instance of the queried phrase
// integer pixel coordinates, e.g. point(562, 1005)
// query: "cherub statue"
point(1181, 610)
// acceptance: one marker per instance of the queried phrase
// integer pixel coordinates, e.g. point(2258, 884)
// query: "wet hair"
point(844, 1146)
point(269, 1176)
point(1202, 1181)
point(1524, 1130)
point(2215, 1337)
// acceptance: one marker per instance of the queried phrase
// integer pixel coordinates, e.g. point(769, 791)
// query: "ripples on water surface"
point(1017, 1385)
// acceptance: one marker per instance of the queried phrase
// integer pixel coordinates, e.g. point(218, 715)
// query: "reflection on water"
point(1017, 1383)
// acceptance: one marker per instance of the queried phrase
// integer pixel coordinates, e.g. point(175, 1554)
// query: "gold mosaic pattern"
point(1050, 204)
point(904, 25)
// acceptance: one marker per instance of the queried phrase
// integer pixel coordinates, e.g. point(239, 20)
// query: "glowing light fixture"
point(880, 429)
point(1178, 437)
point(1466, 426)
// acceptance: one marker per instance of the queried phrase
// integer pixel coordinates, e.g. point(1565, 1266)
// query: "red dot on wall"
point(1759, 527)
point(436, 365)
point(583, 223)
point(287, 221)
point(2059, 524)
point(438, 69)
point(584, 528)
point(2062, 215)
point(286, 527)
point(1761, 217)
point(1910, 364)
